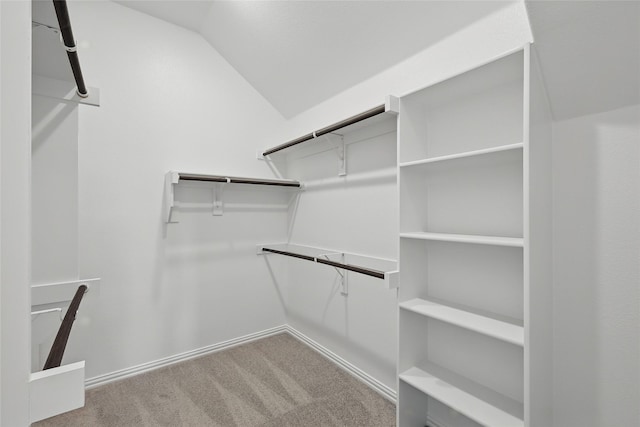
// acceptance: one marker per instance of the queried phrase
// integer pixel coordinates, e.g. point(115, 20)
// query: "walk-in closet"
point(319, 213)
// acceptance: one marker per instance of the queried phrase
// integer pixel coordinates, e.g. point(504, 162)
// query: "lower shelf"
point(459, 398)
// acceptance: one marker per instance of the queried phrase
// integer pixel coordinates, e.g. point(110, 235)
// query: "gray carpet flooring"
point(273, 382)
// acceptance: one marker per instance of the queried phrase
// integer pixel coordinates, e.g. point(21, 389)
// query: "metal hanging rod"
point(60, 343)
point(329, 129)
point(62, 12)
point(362, 270)
point(238, 180)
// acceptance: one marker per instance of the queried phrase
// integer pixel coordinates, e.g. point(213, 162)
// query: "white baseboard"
point(382, 389)
point(166, 361)
point(432, 423)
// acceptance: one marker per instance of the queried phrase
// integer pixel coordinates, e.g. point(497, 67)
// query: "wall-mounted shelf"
point(504, 331)
point(391, 106)
point(173, 178)
point(458, 398)
point(463, 155)
point(465, 238)
point(369, 266)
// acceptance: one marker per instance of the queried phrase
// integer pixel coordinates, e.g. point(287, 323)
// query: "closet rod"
point(62, 12)
point(362, 270)
point(238, 180)
point(60, 343)
point(331, 128)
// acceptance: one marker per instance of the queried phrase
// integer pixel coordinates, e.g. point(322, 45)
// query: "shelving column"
point(464, 299)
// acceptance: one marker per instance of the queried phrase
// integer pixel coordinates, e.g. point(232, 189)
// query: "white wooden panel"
point(56, 391)
point(539, 287)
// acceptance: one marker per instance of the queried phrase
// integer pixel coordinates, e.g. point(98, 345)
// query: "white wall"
point(168, 102)
point(54, 174)
point(596, 311)
point(15, 153)
point(362, 327)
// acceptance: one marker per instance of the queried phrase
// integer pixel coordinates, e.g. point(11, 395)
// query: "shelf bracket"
point(344, 277)
point(170, 180)
point(341, 150)
point(342, 157)
point(218, 204)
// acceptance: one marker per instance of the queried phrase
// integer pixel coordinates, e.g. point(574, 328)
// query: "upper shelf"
point(466, 238)
point(391, 106)
point(172, 178)
point(463, 155)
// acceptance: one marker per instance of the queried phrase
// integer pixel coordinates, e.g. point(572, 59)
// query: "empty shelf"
point(463, 155)
point(504, 331)
point(466, 238)
point(463, 402)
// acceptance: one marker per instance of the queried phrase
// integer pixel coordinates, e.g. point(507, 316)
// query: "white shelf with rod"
point(378, 268)
point(498, 329)
point(173, 178)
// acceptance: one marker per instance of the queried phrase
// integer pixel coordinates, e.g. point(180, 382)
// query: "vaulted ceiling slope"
point(300, 53)
point(590, 54)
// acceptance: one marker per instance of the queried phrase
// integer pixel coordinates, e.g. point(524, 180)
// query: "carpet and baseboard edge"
point(181, 357)
point(382, 389)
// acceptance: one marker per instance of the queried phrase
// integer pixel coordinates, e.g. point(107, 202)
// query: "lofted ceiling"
point(300, 53)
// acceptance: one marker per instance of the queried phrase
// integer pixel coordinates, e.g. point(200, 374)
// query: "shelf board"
point(466, 238)
point(463, 402)
point(474, 153)
point(504, 331)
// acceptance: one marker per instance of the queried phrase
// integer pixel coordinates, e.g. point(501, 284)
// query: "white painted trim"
point(166, 361)
point(382, 389)
point(56, 391)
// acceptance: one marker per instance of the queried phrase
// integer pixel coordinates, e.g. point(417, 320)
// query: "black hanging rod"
point(331, 128)
point(62, 12)
point(60, 343)
point(237, 180)
point(362, 270)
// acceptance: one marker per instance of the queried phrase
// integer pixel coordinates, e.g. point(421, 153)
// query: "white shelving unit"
point(474, 294)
